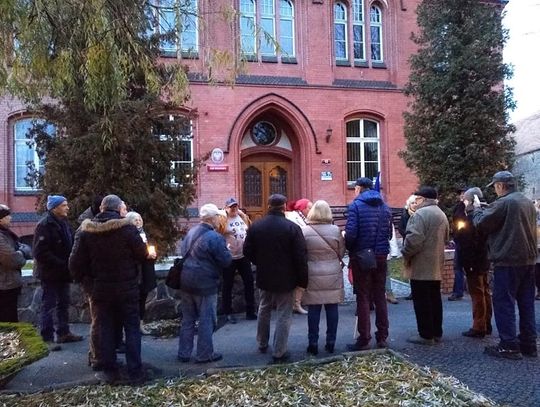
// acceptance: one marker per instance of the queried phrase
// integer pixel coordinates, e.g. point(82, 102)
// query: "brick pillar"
point(447, 282)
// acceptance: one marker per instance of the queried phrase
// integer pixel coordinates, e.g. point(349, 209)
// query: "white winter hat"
point(209, 210)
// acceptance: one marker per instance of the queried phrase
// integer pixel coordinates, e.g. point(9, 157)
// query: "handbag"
point(174, 276)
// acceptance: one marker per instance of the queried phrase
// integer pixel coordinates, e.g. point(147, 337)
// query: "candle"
point(151, 250)
point(460, 225)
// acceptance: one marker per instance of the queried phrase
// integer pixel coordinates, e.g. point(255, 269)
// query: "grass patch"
point(382, 379)
point(21, 345)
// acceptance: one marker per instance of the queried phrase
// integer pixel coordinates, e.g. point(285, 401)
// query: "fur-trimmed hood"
point(104, 224)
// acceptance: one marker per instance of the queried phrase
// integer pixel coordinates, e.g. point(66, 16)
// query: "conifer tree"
point(457, 130)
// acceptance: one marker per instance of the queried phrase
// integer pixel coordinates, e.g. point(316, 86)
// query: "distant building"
point(527, 163)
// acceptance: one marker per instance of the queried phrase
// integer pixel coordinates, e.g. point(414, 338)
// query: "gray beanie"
point(111, 203)
point(471, 192)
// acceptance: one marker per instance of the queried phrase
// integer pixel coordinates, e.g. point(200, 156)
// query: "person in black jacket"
point(53, 239)
point(471, 248)
point(278, 248)
point(105, 258)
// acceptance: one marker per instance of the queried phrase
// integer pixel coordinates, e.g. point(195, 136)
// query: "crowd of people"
point(296, 254)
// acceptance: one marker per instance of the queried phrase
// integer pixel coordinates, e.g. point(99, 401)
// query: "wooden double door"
point(260, 179)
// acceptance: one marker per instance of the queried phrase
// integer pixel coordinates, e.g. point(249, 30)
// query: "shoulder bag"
point(366, 257)
point(174, 276)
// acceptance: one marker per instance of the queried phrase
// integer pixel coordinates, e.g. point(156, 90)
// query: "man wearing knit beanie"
point(53, 239)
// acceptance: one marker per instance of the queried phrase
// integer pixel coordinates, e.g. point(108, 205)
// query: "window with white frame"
point(263, 24)
point(182, 165)
point(181, 18)
point(358, 31)
point(363, 149)
point(26, 158)
point(286, 27)
point(340, 31)
point(375, 26)
point(357, 26)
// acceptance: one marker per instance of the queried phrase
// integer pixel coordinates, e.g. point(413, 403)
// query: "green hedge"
point(32, 343)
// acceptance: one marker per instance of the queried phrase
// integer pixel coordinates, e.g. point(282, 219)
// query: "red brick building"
point(306, 119)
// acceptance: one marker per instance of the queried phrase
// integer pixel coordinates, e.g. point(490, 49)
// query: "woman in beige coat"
point(325, 247)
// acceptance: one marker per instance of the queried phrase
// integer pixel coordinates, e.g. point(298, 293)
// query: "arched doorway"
point(263, 175)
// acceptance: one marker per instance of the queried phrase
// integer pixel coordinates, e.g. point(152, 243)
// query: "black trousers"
point(8, 305)
point(427, 307)
point(243, 266)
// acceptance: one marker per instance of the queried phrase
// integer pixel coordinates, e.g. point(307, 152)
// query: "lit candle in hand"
point(151, 250)
point(460, 225)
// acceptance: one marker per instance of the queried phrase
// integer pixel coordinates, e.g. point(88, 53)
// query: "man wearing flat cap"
point(510, 226)
point(423, 251)
point(53, 239)
point(278, 248)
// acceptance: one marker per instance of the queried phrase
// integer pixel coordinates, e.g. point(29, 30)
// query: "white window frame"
point(362, 140)
point(340, 19)
point(248, 37)
point(287, 18)
point(186, 40)
point(21, 140)
point(268, 24)
point(376, 23)
point(184, 138)
point(358, 22)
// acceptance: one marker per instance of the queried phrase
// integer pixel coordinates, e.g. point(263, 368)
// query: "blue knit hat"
point(54, 200)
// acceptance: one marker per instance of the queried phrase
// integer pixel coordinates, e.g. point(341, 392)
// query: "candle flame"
point(151, 250)
point(460, 224)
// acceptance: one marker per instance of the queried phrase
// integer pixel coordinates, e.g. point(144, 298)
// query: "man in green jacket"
point(510, 225)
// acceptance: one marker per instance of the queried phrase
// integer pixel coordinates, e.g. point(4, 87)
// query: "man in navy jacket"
point(369, 227)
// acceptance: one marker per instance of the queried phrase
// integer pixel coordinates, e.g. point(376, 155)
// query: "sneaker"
point(329, 347)
point(69, 337)
point(499, 352)
point(313, 349)
point(251, 317)
point(231, 319)
point(455, 297)
point(391, 298)
point(214, 358)
point(473, 333)
point(529, 351)
point(418, 340)
point(357, 346)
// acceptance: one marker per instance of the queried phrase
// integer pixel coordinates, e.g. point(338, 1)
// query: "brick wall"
point(447, 282)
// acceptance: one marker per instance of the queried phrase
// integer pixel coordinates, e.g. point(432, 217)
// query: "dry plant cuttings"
point(371, 380)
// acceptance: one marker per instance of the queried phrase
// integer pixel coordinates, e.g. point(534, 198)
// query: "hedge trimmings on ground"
point(381, 379)
point(20, 345)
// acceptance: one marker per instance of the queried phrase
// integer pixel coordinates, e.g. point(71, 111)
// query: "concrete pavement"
point(508, 382)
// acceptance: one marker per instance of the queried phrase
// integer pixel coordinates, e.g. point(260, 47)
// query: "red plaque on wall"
point(217, 167)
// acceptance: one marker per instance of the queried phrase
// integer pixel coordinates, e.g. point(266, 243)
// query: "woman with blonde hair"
point(325, 248)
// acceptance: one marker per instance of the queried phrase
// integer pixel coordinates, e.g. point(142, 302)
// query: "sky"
point(523, 51)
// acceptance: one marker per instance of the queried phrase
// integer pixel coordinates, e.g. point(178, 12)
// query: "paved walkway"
point(508, 382)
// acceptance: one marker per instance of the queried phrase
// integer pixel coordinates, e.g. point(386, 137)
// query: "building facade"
point(527, 164)
point(306, 118)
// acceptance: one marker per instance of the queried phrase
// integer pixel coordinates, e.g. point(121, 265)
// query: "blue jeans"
point(193, 308)
point(111, 316)
point(55, 297)
point(459, 275)
point(511, 285)
point(314, 316)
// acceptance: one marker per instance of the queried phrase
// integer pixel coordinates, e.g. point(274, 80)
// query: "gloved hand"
point(25, 250)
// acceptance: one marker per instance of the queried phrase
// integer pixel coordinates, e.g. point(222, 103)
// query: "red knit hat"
point(301, 204)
